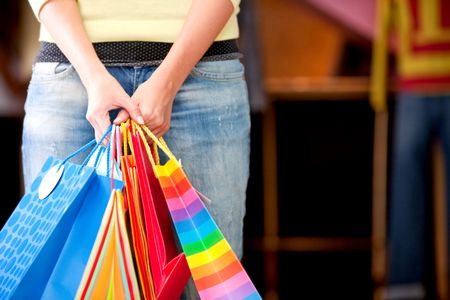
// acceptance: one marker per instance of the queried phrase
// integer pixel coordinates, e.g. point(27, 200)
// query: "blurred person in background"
point(12, 86)
point(422, 112)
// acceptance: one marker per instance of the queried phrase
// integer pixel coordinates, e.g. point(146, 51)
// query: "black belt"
point(135, 53)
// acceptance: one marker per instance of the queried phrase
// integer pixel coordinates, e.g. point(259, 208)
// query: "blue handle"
point(88, 145)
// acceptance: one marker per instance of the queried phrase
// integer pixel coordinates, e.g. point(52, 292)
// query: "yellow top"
point(136, 20)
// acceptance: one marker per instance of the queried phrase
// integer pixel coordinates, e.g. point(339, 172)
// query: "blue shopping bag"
point(35, 233)
point(68, 272)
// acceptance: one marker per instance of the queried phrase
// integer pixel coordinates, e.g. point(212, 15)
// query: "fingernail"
point(140, 120)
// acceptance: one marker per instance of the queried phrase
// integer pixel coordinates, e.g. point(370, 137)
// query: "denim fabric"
point(418, 119)
point(209, 130)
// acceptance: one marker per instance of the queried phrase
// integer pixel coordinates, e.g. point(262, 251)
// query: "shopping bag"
point(80, 241)
point(110, 272)
point(215, 269)
point(137, 225)
point(34, 235)
point(170, 271)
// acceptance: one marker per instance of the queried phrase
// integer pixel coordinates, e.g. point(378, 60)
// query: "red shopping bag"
point(137, 226)
point(170, 271)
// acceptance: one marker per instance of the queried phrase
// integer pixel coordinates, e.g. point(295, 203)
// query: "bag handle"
point(147, 146)
point(125, 126)
point(110, 161)
point(160, 142)
point(53, 175)
point(99, 143)
point(85, 147)
point(154, 157)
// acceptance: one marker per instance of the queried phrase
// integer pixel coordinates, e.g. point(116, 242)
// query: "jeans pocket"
point(223, 70)
point(46, 71)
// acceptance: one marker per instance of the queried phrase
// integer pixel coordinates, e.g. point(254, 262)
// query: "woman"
point(170, 64)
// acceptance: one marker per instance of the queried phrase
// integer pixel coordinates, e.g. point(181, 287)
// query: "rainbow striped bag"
point(215, 268)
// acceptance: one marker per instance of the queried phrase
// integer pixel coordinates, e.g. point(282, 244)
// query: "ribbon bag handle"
point(98, 144)
point(159, 142)
point(51, 179)
point(153, 157)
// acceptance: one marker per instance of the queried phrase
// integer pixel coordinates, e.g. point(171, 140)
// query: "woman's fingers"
point(101, 125)
point(106, 94)
point(159, 131)
point(121, 117)
point(132, 109)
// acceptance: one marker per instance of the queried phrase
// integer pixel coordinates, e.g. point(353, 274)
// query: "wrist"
point(168, 80)
point(173, 72)
point(90, 75)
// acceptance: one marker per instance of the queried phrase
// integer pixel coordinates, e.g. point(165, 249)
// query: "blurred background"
point(318, 196)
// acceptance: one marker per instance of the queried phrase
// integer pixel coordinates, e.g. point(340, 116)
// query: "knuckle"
point(89, 117)
point(159, 120)
point(120, 100)
point(146, 116)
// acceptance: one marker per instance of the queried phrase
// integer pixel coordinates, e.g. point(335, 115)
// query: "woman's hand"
point(154, 99)
point(62, 19)
point(106, 94)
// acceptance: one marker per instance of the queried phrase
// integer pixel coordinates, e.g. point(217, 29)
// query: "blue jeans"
point(209, 130)
point(418, 119)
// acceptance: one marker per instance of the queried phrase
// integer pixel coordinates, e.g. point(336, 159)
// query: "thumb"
point(121, 117)
point(133, 110)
